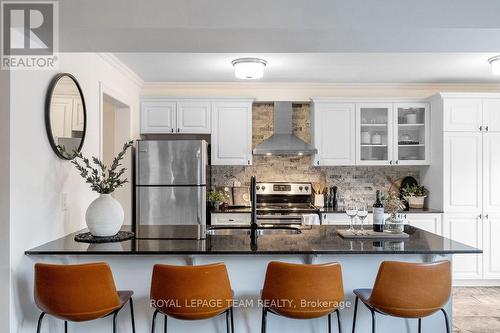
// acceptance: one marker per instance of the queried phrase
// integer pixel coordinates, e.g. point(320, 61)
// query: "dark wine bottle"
point(378, 214)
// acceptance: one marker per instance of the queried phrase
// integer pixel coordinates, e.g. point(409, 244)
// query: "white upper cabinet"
point(232, 133)
point(463, 176)
point(412, 134)
point(333, 133)
point(158, 116)
point(374, 134)
point(164, 116)
point(194, 116)
point(471, 114)
point(491, 115)
point(463, 114)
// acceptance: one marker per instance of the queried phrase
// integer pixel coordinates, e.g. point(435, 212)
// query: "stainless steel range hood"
point(283, 141)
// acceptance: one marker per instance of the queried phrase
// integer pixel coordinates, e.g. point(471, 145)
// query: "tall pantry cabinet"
point(464, 178)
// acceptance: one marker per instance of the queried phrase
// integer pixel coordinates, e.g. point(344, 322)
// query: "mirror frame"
point(48, 102)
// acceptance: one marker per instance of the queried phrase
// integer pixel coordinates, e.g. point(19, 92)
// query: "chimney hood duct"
point(283, 141)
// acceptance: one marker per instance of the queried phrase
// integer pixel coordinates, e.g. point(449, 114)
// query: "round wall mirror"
point(65, 116)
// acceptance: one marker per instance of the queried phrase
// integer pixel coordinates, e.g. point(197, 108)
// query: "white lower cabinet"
point(334, 218)
point(230, 218)
point(491, 246)
point(465, 228)
point(429, 222)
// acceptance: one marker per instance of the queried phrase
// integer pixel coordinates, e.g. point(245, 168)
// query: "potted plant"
point(105, 215)
point(216, 198)
point(415, 195)
point(392, 205)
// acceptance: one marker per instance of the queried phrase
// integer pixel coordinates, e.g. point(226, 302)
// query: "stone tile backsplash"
point(355, 183)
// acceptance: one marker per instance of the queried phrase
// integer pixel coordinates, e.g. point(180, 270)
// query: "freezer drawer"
point(181, 162)
point(171, 205)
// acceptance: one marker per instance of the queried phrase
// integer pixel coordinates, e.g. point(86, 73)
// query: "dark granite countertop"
point(411, 211)
point(240, 210)
point(314, 240)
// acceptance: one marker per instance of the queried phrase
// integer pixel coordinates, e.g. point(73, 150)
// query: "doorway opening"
point(115, 131)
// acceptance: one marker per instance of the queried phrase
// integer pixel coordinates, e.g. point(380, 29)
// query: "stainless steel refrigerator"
point(170, 182)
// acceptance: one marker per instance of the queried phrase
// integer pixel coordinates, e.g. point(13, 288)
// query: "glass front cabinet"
point(392, 134)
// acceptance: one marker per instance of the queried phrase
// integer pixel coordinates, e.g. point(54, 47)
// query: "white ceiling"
point(317, 67)
point(281, 26)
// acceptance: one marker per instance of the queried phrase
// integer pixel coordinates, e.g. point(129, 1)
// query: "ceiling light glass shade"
point(249, 68)
point(495, 64)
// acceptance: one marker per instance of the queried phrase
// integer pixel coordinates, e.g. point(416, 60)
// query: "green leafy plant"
point(103, 179)
point(415, 191)
point(216, 196)
point(392, 203)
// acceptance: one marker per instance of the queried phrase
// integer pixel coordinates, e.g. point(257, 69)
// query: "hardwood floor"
point(476, 310)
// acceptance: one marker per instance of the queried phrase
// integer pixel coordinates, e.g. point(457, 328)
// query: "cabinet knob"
point(487, 128)
point(248, 162)
point(390, 162)
point(397, 161)
point(178, 130)
point(317, 163)
point(481, 128)
point(480, 216)
point(487, 216)
point(172, 130)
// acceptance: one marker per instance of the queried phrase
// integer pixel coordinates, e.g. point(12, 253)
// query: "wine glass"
point(351, 211)
point(362, 214)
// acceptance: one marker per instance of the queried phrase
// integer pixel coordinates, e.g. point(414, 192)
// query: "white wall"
point(39, 178)
point(4, 199)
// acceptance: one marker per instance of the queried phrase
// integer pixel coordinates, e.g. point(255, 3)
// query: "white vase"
point(104, 216)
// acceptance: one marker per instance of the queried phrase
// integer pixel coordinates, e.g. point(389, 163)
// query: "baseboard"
point(476, 283)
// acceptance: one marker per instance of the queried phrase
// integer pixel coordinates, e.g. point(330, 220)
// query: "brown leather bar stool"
point(407, 290)
point(295, 290)
point(191, 293)
point(79, 293)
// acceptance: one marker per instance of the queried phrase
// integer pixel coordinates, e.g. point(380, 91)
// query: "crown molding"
point(122, 68)
point(316, 85)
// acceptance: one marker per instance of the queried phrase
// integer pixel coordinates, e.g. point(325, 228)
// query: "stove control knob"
point(263, 187)
point(307, 188)
point(257, 187)
point(300, 188)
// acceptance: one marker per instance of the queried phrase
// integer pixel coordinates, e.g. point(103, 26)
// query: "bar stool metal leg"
point(338, 320)
point(154, 321)
point(446, 321)
point(373, 320)
point(114, 321)
point(65, 326)
point(355, 313)
point(132, 314)
point(39, 325)
point(419, 325)
point(264, 319)
point(329, 323)
point(232, 319)
point(227, 321)
point(165, 324)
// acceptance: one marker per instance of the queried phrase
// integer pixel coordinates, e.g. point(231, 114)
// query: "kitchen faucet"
point(253, 215)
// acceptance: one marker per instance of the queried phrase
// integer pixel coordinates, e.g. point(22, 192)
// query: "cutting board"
point(370, 234)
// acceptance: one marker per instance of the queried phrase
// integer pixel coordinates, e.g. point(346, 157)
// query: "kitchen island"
point(132, 262)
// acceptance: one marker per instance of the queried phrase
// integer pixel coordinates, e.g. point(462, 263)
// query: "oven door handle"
point(279, 217)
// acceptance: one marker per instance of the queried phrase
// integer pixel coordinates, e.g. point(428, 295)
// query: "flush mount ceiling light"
point(495, 64)
point(249, 68)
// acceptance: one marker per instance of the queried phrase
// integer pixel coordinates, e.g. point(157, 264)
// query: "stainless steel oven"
point(284, 203)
